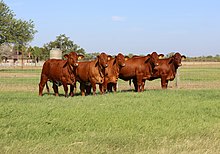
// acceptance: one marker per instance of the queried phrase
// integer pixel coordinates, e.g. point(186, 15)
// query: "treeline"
point(215, 58)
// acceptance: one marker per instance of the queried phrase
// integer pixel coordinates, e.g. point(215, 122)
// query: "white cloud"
point(117, 18)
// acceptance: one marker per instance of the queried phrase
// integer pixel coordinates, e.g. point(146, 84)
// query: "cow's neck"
point(174, 68)
point(70, 69)
point(101, 70)
point(151, 67)
point(116, 66)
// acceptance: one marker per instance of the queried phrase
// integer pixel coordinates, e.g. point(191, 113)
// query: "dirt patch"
point(19, 75)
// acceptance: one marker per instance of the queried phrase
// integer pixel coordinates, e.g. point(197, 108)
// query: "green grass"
point(154, 121)
point(121, 123)
point(201, 74)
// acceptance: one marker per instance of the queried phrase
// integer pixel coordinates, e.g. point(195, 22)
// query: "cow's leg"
point(115, 87)
point(164, 83)
point(55, 89)
point(139, 82)
point(71, 90)
point(88, 90)
point(142, 86)
point(101, 88)
point(42, 83)
point(109, 87)
point(135, 84)
point(93, 87)
point(82, 89)
point(48, 90)
point(65, 87)
point(74, 88)
point(105, 86)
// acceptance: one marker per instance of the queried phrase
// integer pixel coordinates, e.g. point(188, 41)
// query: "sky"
point(191, 27)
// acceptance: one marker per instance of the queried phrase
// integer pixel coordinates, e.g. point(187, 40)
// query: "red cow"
point(112, 72)
point(59, 72)
point(166, 70)
point(91, 73)
point(139, 68)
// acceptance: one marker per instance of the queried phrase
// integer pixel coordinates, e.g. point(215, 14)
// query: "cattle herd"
point(105, 71)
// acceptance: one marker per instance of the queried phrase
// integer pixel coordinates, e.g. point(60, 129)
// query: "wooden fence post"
point(177, 78)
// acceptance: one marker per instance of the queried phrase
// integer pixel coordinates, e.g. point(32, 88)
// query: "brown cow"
point(112, 72)
point(139, 68)
point(90, 73)
point(167, 68)
point(59, 72)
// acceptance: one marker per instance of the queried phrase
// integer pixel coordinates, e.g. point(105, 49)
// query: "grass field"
point(178, 120)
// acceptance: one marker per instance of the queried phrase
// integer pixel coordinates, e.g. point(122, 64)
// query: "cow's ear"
point(183, 57)
point(170, 60)
point(65, 64)
point(114, 61)
point(161, 56)
point(147, 59)
point(80, 57)
point(96, 62)
point(66, 56)
point(126, 58)
point(109, 57)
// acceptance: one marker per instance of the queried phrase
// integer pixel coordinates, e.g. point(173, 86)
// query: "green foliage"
point(6, 23)
point(90, 56)
point(209, 58)
point(65, 44)
point(14, 30)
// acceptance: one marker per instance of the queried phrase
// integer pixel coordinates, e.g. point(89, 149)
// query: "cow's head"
point(120, 59)
point(72, 59)
point(154, 57)
point(102, 60)
point(176, 59)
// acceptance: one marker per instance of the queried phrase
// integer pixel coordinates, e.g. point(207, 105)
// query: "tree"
point(65, 44)
point(170, 54)
point(6, 19)
point(35, 53)
point(90, 56)
point(12, 30)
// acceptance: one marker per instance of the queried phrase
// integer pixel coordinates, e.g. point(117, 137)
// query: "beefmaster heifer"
point(139, 68)
point(60, 72)
point(112, 72)
point(167, 68)
point(90, 73)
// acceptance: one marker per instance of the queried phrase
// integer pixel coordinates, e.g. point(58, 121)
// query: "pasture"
point(183, 119)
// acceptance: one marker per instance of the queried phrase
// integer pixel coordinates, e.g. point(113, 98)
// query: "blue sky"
point(191, 27)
